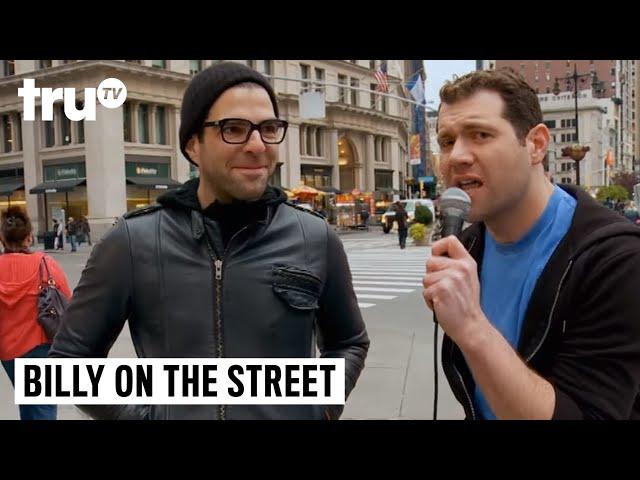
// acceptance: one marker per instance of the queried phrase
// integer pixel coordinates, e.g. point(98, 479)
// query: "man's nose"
point(255, 143)
point(461, 153)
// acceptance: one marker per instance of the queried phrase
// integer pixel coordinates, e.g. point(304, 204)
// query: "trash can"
point(49, 239)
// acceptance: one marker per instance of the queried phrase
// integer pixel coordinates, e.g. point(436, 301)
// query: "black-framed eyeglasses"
point(238, 130)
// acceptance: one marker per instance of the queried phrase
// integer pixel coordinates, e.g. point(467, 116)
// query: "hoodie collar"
point(186, 197)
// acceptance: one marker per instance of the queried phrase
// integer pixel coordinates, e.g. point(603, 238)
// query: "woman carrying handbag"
point(24, 276)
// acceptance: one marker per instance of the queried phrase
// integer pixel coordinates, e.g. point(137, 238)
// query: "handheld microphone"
point(454, 205)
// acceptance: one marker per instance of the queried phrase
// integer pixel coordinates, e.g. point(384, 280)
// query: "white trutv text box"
point(166, 381)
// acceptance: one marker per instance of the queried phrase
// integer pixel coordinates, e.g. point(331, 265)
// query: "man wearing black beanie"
point(223, 266)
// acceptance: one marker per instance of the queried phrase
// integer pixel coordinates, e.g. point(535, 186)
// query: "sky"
point(438, 71)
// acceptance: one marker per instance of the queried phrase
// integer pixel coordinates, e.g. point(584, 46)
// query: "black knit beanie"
point(206, 87)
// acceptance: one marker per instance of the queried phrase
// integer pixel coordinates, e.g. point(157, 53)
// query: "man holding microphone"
point(538, 298)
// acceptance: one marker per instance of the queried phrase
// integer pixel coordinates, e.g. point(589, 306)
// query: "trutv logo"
point(111, 93)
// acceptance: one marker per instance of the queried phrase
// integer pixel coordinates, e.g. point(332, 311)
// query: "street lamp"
point(576, 152)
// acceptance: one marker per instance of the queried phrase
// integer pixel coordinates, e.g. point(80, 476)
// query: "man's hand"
point(452, 290)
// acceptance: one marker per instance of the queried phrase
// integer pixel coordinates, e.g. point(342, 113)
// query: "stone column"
point(106, 184)
point(369, 163)
point(181, 166)
point(289, 154)
point(395, 162)
point(33, 172)
point(334, 155)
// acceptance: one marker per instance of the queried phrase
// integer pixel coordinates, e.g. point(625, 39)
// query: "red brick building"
point(541, 74)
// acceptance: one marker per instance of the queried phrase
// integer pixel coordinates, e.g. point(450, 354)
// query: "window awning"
point(157, 183)
point(7, 188)
point(58, 186)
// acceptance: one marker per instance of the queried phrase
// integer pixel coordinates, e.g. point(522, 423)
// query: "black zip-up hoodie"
point(581, 330)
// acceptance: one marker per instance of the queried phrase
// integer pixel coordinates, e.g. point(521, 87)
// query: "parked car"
point(388, 219)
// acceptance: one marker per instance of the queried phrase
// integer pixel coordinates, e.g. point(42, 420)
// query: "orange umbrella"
point(305, 190)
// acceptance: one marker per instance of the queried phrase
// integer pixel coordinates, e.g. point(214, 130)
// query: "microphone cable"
point(435, 366)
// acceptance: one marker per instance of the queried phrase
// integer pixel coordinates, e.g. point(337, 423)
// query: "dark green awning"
point(58, 186)
point(158, 183)
point(7, 188)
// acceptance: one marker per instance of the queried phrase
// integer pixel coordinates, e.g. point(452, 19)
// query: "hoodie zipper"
point(464, 387)
point(553, 307)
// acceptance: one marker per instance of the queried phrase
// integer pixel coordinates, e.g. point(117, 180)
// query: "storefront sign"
point(146, 171)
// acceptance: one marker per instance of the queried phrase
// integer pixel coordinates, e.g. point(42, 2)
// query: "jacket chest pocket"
point(297, 287)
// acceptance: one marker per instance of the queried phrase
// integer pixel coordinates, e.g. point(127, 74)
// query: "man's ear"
point(193, 149)
point(538, 143)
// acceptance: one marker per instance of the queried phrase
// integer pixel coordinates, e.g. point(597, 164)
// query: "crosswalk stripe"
point(369, 277)
point(366, 305)
point(406, 284)
point(378, 297)
point(376, 289)
point(388, 270)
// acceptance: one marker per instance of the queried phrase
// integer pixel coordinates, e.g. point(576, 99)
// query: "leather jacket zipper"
point(218, 264)
point(217, 326)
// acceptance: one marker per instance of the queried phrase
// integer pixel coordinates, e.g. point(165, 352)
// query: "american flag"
point(381, 77)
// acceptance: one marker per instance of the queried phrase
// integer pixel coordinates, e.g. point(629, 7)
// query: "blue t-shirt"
point(510, 272)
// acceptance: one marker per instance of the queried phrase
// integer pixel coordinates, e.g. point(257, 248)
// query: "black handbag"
point(51, 302)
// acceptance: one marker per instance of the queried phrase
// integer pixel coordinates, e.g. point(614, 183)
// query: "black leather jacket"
point(280, 282)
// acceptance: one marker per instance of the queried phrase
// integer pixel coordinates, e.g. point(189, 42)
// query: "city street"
point(397, 382)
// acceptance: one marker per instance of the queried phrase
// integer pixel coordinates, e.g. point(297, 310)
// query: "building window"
point(355, 83)
point(372, 103)
point(44, 63)
point(319, 142)
point(383, 104)
point(143, 123)
point(80, 124)
point(7, 137)
point(18, 145)
point(262, 66)
point(547, 65)
point(550, 123)
point(310, 144)
point(159, 63)
point(383, 179)
point(302, 140)
point(49, 133)
point(8, 67)
point(305, 74)
point(342, 91)
point(161, 126)
point(566, 180)
point(320, 79)
point(315, 176)
point(65, 127)
point(126, 121)
point(194, 66)
point(372, 64)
